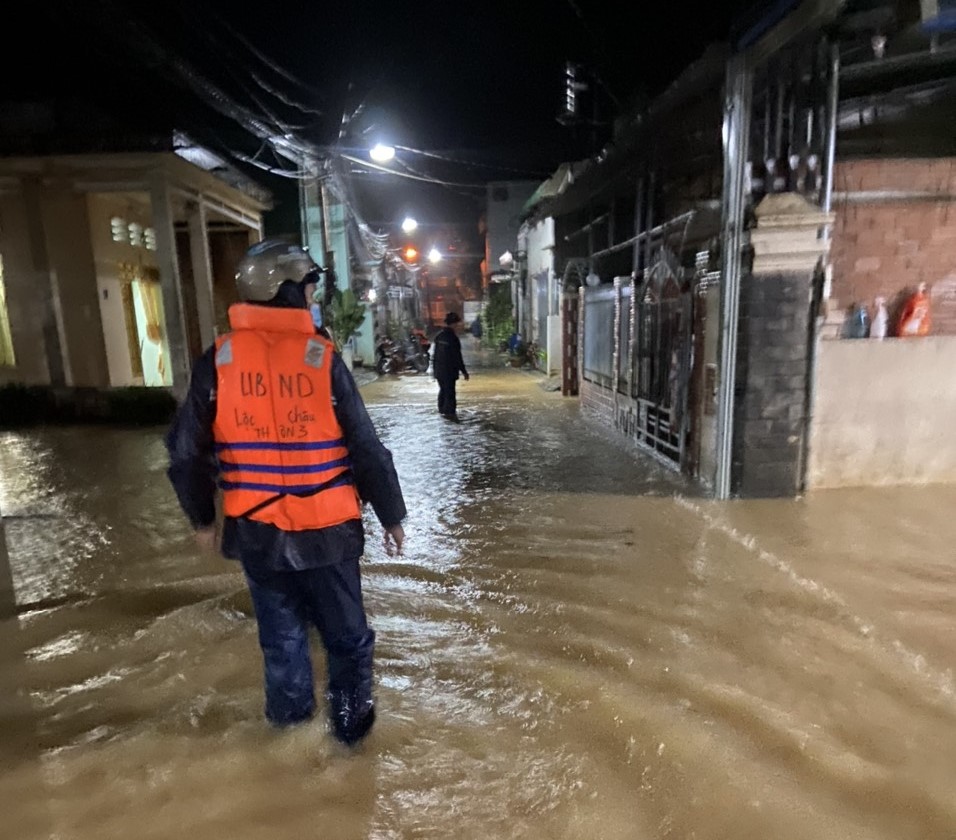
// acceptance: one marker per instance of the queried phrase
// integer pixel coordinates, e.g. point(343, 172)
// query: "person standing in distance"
point(273, 413)
point(476, 330)
point(447, 363)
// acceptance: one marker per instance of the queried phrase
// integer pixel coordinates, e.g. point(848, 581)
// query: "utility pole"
point(738, 90)
point(312, 211)
point(325, 218)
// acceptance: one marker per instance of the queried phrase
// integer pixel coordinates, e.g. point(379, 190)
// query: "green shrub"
point(498, 317)
point(346, 316)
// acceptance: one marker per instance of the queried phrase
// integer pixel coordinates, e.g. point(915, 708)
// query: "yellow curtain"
point(7, 358)
point(151, 300)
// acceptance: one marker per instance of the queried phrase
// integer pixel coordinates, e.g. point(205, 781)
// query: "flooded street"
point(574, 645)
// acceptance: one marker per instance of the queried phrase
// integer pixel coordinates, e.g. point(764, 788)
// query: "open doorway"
point(145, 326)
point(153, 351)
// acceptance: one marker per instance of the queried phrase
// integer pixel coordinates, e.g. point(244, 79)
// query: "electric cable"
point(426, 179)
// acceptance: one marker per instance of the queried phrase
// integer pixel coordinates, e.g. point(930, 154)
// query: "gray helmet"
point(267, 265)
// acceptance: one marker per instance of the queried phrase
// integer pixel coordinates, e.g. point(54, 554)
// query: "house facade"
point(117, 269)
point(722, 246)
point(504, 203)
point(538, 291)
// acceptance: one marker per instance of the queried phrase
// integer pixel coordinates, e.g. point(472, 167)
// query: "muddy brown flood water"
point(575, 644)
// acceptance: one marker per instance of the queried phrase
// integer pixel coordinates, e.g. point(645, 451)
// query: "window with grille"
point(118, 229)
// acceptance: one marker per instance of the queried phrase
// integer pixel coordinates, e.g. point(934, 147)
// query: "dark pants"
point(287, 604)
point(447, 399)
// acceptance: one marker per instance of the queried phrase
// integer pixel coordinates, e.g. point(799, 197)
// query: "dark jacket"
point(193, 472)
point(447, 362)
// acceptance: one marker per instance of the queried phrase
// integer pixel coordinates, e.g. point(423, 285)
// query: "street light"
point(434, 256)
point(409, 224)
point(381, 153)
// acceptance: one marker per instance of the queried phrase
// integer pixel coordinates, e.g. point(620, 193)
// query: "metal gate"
point(637, 343)
point(541, 310)
point(569, 345)
point(662, 357)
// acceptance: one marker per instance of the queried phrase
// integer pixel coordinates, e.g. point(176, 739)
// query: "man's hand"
point(394, 540)
point(206, 538)
point(467, 377)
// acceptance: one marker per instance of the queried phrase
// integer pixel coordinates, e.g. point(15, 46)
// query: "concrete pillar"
point(337, 237)
point(312, 219)
point(46, 286)
point(617, 327)
point(773, 371)
point(175, 324)
point(736, 134)
point(365, 339)
point(202, 272)
point(69, 250)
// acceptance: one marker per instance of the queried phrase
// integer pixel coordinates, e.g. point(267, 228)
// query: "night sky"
point(480, 83)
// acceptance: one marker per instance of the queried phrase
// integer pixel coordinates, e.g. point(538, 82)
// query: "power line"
point(268, 62)
point(300, 175)
point(274, 133)
point(231, 66)
point(472, 163)
point(410, 175)
point(212, 94)
point(285, 100)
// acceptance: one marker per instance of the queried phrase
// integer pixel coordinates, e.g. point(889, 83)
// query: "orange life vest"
point(282, 456)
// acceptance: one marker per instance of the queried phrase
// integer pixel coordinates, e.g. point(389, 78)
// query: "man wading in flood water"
point(447, 363)
point(274, 413)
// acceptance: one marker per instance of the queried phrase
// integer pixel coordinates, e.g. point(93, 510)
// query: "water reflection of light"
point(48, 539)
point(50, 698)
point(395, 682)
point(61, 646)
point(22, 466)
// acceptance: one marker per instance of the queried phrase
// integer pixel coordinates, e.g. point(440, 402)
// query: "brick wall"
point(895, 228)
point(769, 398)
point(597, 401)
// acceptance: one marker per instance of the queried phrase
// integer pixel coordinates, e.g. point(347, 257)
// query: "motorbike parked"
point(408, 354)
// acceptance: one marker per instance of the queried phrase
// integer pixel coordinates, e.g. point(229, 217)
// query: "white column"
point(52, 328)
point(172, 287)
point(202, 272)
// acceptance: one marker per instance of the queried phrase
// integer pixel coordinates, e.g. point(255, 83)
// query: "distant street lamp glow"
point(381, 153)
point(409, 224)
point(434, 255)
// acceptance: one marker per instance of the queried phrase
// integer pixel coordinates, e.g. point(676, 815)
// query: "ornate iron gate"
point(662, 357)
point(569, 345)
